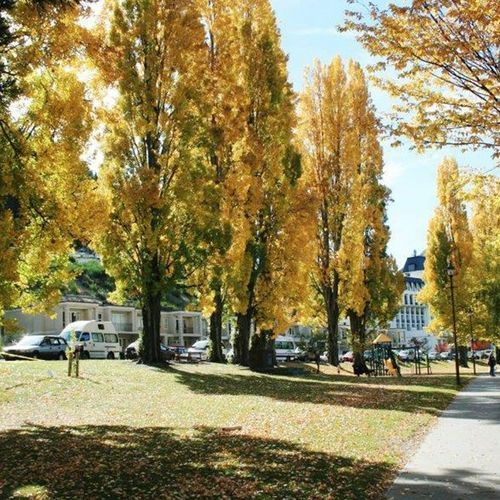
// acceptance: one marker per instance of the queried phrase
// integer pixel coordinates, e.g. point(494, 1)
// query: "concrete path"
point(460, 457)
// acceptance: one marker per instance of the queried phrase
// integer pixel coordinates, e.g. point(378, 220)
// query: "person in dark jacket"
point(492, 363)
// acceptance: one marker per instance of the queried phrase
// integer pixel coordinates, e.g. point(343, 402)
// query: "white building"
point(413, 317)
point(176, 327)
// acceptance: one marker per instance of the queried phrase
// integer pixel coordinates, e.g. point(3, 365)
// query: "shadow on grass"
point(120, 461)
point(428, 396)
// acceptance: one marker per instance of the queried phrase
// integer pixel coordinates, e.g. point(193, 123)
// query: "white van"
point(98, 339)
point(287, 348)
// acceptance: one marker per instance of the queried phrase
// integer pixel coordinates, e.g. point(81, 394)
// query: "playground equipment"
point(382, 358)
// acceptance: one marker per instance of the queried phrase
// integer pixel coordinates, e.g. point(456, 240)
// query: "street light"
point(472, 340)
point(451, 273)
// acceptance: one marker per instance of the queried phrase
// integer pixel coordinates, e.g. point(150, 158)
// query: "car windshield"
point(31, 340)
point(201, 344)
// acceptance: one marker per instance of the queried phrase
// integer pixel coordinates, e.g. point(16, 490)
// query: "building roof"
point(414, 263)
point(84, 299)
point(383, 339)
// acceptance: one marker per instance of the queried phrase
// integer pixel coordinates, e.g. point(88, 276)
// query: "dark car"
point(39, 346)
point(132, 352)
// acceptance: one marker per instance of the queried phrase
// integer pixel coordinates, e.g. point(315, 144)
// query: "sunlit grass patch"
point(208, 430)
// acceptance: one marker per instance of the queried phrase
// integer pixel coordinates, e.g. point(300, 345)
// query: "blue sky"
point(308, 29)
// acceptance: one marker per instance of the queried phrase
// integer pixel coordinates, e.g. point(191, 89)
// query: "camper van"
point(287, 349)
point(96, 339)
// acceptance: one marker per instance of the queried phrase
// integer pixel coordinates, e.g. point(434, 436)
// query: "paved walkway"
point(460, 457)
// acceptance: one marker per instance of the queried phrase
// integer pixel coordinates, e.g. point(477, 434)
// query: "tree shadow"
point(445, 483)
point(120, 461)
point(429, 395)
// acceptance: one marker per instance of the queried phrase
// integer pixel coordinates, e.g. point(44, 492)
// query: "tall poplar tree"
point(324, 129)
point(449, 241)
point(343, 163)
point(371, 285)
point(268, 157)
point(484, 307)
point(152, 54)
point(225, 132)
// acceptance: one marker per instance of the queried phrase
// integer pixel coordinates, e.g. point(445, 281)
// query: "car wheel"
point(111, 355)
point(85, 355)
point(36, 354)
point(61, 356)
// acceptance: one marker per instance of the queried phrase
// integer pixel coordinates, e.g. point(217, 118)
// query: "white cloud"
point(392, 172)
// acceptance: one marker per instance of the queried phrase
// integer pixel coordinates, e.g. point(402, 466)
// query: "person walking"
point(317, 358)
point(492, 363)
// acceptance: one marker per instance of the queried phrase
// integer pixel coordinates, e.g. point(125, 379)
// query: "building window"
point(99, 317)
point(177, 326)
point(189, 325)
point(406, 300)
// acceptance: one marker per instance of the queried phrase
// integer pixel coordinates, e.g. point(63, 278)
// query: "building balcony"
point(123, 327)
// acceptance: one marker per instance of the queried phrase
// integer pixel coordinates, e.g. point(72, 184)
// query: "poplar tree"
point(371, 286)
point(46, 191)
point(324, 132)
point(449, 241)
point(343, 163)
point(484, 308)
point(151, 53)
point(267, 157)
point(225, 133)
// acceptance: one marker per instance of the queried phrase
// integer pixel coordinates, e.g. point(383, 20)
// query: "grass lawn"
point(206, 431)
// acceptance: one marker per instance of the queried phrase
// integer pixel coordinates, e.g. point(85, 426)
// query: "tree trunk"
point(261, 354)
point(242, 338)
point(333, 313)
point(215, 349)
point(462, 356)
point(358, 343)
point(151, 314)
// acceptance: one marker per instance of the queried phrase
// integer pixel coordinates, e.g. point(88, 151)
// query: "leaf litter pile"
point(206, 431)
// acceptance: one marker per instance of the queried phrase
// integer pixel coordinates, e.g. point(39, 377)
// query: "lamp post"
point(472, 342)
point(451, 273)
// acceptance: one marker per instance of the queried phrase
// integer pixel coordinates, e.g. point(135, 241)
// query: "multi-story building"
point(413, 316)
point(176, 327)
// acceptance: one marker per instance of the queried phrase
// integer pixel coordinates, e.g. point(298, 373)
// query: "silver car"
point(38, 346)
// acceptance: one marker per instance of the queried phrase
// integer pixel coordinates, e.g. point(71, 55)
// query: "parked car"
point(39, 346)
point(132, 351)
point(447, 356)
point(199, 348)
point(347, 357)
point(404, 355)
point(287, 349)
point(486, 353)
point(95, 339)
point(177, 349)
point(474, 354)
point(433, 355)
